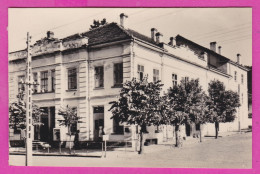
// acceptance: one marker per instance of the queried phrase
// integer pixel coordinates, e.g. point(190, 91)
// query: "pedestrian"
point(76, 141)
point(100, 133)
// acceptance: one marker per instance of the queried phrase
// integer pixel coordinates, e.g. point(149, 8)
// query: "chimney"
point(50, 35)
point(153, 30)
point(213, 46)
point(122, 17)
point(238, 58)
point(172, 41)
point(157, 35)
point(219, 50)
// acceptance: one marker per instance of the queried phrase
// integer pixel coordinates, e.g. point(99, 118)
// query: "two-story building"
point(86, 71)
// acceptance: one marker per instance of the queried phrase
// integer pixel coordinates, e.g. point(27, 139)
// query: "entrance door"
point(98, 122)
point(48, 123)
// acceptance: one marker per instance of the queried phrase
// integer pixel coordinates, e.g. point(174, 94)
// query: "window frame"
point(175, 80)
point(99, 77)
point(44, 81)
point(20, 85)
point(53, 80)
point(72, 78)
point(118, 74)
point(140, 71)
point(156, 75)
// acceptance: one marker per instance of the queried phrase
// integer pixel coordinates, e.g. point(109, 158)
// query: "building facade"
point(86, 71)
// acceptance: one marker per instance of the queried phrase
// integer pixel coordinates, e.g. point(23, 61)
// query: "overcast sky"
point(231, 28)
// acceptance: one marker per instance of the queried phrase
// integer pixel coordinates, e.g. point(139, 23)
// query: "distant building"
point(86, 72)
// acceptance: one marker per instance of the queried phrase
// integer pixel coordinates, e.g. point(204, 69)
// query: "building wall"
point(180, 61)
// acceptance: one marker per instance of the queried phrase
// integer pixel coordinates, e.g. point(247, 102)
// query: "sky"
point(231, 28)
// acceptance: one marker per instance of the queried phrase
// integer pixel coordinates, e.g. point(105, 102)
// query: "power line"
point(221, 30)
point(223, 33)
point(63, 25)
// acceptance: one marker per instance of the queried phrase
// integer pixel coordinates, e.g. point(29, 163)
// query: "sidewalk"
point(120, 152)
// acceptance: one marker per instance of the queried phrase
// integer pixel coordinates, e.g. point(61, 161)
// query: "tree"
point(17, 115)
point(138, 104)
point(70, 119)
point(97, 24)
point(222, 104)
point(187, 103)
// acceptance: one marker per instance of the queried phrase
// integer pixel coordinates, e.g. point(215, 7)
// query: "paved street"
point(232, 151)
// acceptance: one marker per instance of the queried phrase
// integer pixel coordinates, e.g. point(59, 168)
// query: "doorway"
point(48, 123)
point(98, 114)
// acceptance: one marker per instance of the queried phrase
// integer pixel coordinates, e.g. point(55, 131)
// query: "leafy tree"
point(187, 104)
point(97, 24)
point(70, 118)
point(222, 104)
point(17, 115)
point(139, 104)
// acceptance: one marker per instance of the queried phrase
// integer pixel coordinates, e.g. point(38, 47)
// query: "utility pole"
point(29, 84)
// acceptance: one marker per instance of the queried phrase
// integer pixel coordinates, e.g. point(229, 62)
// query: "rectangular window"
point(99, 77)
point(21, 80)
point(72, 78)
point(242, 79)
point(186, 79)
point(44, 81)
point(118, 74)
point(174, 79)
point(35, 80)
point(238, 89)
point(155, 75)
point(235, 76)
point(53, 80)
point(140, 71)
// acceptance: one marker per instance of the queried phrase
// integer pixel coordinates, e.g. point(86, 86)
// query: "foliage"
point(70, 117)
point(17, 115)
point(223, 103)
point(139, 103)
point(185, 103)
point(97, 24)
point(189, 100)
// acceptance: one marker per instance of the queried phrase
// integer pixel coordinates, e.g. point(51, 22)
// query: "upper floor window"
point(140, 71)
point(235, 76)
point(35, 80)
point(53, 80)
point(186, 79)
point(238, 89)
point(155, 75)
point(21, 87)
point(99, 76)
point(118, 74)
point(242, 79)
point(72, 78)
point(44, 81)
point(174, 79)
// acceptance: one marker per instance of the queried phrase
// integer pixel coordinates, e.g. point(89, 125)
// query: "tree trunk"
point(142, 130)
point(69, 139)
point(177, 128)
point(141, 143)
point(200, 135)
point(216, 128)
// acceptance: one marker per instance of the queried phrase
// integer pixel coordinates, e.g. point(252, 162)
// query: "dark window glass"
point(99, 76)
point(72, 78)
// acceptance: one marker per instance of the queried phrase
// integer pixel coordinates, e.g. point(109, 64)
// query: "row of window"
point(156, 75)
point(235, 77)
point(72, 79)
